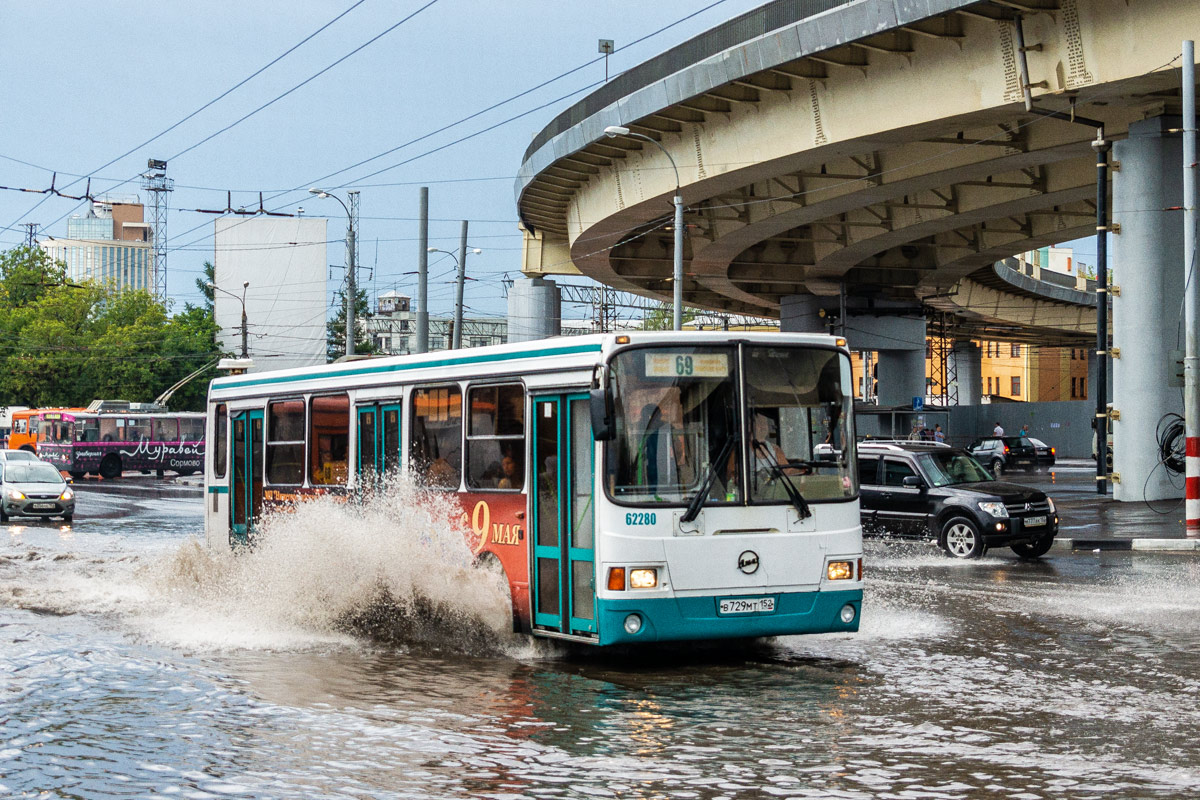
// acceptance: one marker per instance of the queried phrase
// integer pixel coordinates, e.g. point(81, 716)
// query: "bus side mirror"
point(600, 405)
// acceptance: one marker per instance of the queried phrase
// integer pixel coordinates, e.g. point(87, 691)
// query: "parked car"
point(1043, 453)
point(1003, 453)
point(34, 489)
point(946, 495)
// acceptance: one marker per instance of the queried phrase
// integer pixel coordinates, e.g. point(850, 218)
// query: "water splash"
point(394, 567)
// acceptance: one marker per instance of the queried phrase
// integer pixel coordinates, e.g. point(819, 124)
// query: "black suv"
point(1004, 453)
point(919, 492)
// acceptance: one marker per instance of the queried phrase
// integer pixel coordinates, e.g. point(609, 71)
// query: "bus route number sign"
point(687, 365)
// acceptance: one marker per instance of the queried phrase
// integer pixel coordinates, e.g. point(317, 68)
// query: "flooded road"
point(134, 663)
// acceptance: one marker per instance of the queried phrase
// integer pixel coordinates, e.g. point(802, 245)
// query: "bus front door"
point(564, 584)
point(246, 505)
point(378, 439)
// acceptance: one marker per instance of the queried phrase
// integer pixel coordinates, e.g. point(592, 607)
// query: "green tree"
point(335, 329)
point(67, 344)
point(662, 318)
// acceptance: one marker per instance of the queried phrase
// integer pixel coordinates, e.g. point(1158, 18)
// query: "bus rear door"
point(246, 502)
point(564, 585)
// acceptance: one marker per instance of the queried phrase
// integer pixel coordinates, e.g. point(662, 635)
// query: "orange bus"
point(25, 434)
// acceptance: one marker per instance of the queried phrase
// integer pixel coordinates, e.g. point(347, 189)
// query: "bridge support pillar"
point(897, 335)
point(534, 310)
point(968, 370)
point(1147, 259)
point(801, 313)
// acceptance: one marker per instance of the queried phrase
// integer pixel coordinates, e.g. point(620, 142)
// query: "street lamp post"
point(242, 300)
point(461, 263)
point(351, 271)
point(613, 131)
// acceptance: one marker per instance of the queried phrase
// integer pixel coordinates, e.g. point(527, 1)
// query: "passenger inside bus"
point(512, 471)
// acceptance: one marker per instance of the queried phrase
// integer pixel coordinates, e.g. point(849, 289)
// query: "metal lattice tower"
point(31, 232)
point(156, 182)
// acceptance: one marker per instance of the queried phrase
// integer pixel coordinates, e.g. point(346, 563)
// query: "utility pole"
point(1191, 359)
point(1101, 146)
point(458, 297)
point(423, 274)
point(31, 232)
point(351, 271)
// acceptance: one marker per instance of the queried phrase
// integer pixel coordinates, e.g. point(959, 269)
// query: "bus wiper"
point(792, 492)
point(710, 475)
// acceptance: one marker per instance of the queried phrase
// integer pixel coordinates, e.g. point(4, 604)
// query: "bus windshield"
point(676, 415)
point(678, 420)
point(799, 411)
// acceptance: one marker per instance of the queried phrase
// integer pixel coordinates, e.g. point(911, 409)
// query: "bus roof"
point(565, 352)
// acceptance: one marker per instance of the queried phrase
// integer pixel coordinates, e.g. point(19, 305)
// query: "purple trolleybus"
point(107, 443)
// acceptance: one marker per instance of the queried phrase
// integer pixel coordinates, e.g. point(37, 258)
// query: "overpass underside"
point(878, 149)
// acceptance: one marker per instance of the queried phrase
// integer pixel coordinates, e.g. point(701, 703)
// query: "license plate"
point(747, 605)
point(41, 506)
point(1034, 522)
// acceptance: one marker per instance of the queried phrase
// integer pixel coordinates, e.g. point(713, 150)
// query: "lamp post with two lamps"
point(461, 262)
point(613, 131)
point(351, 271)
point(242, 300)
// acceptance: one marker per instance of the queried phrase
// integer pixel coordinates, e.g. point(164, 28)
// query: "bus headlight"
point(847, 613)
point(633, 624)
point(13, 494)
point(67, 495)
point(840, 571)
point(643, 578)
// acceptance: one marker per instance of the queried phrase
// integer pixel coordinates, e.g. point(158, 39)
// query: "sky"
point(87, 83)
point(359, 103)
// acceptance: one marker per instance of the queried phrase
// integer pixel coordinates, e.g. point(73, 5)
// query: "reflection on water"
point(137, 666)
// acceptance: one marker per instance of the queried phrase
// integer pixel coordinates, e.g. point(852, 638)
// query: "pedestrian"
point(939, 435)
point(1024, 431)
point(915, 435)
point(997, 431)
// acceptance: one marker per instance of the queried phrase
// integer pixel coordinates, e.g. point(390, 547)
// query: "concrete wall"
point(1065, 426)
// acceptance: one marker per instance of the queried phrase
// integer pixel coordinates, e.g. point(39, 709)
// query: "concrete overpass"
point(876, 157)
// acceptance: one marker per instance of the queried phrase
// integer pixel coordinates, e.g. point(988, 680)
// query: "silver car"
point(34, 489)
point(17, 455)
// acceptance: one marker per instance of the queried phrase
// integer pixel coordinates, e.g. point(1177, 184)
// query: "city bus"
point(24, 433)
point(633, 488)
point(108, 443)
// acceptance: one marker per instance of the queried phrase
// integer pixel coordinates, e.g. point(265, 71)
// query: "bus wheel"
point(488, 562)
point(28, 448)
point(110, 467)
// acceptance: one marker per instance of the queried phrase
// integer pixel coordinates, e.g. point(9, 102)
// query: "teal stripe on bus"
point(230, 383)
point(218, 490)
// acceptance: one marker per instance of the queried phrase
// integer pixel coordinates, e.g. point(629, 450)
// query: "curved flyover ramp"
point(880, 147)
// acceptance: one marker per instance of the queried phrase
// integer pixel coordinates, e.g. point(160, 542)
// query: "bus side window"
point(166, 429)
point(222, 444)
point(329, 440)
point(109, 429)
point(285, 442)
point(435, 445)
point(496, 437)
